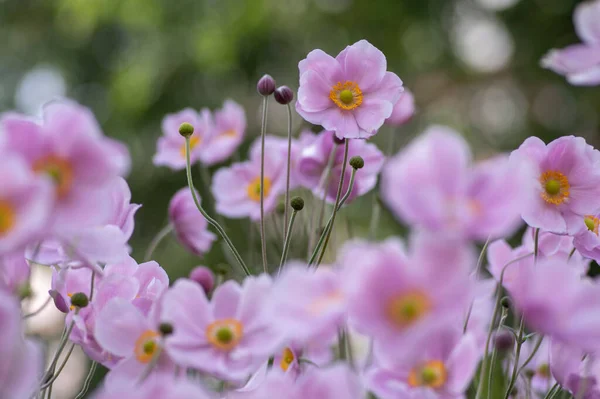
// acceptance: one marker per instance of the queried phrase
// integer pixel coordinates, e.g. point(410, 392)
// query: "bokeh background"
point(472, 64)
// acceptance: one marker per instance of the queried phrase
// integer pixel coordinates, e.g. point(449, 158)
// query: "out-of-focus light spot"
point(555, 108)
point(422, 43)
point(37, 87)
point(333, 6)
point(497, 5)
point(499, 109)
point(483, 43)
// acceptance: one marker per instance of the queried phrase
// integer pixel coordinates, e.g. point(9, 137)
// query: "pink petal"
point(364, 64)
point(587, 21)
point(225, 300)
point(118, 326)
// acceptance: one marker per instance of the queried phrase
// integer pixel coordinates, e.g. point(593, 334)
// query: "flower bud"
point(283, 95)
point(59, 301)
point(297, 203)
point(203, 276)
point(165, 329)
point(79, 300)
point(266, 85)
point(357, 162)
point(504, 341)
point(186, 129)
point(505, 303)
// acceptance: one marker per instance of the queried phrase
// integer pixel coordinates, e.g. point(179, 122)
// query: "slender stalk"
point(61, 346)
point(532, 354)
point(323, 184)
point(286, 244)
point(165, 231)
point(88, 381)
point(337, 202)
point(553, 391)
point(91, 296)
point(342, 344)
point(536, 244)
point(494, 353)
point(571, 253)
point(330, 221)
point(210, 220)
point(477, 269)
point(289, 168)
point(263, 133)
point(60, 369)
point(38, 310)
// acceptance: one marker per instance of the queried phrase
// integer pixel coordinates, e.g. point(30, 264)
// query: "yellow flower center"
point(432, 374)
point(592, 223)
point(194, 142)
point(555, 187)
point(287, 359)
point(225, 334)
point(7, 217)
point(229, 133)
point(146, 346)
point(406, 309)
point(59, 170)
point(543, 370)
point(346, 95)
point(254, 188)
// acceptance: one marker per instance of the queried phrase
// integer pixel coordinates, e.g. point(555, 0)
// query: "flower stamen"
point(555, 187)
point(225, 334)
point(146, 346)
point(347, 95)
point(287, 359)
point(254, 188)
point(406, 309)
point(432, 374)
point(59, 170)
point(7, 217)
point(592, 223)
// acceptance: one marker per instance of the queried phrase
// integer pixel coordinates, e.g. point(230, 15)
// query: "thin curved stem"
point(494, 354)
point(289, 168)
point(286, 244)
point(88, 381)
point(532, 354)
point(329, 224)
point(477, 269)
point(38, 310)
point(165, 231)
point(263, 133)
point(210, 220)
point(337, 201)
point(60, 369)
point(61, 346)
point(553, 391)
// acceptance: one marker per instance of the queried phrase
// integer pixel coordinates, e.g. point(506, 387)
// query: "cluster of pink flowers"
point(417, 317)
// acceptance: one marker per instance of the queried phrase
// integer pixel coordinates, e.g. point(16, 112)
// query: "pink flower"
point(442, 367)
point(395, 297)
point(25, 204)
point(570, 370)
point(68, 281)
point(335, 382)
point(309, 304)
point(556, 301)
point(432, 184)
point(123, 330)
point(313, 160)
point(228, 337)
point(237, 188)
point(122, 210)
point(403, 110)
point(587, 241)
point(159, 385)
point(21, 360)
point(191, 228)
point(14, 272)
point(171, 146)
point(227, 133)
point(70, 151)
point(352, 94)
point(565, 185)
point(580, 63)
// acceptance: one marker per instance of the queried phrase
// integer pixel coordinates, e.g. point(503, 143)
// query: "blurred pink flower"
point(191, 228)
point(580, 63)
point(14, 272)
point(159, 385)
point(565, 185)
point(228, 337)
point(352, 94)
point(312, 164)
point(403, 110)
point(227, 133)
point(432, 184)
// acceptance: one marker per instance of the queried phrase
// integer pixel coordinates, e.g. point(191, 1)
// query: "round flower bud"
point(203, 276)
point(266, 85)
point(165, 329)
point(297, 203)
point(283, 95)
point(505, 303)
point(357, 162)
point(504, 341)
point(186, 129)
point(338, 140)
point(79, 300)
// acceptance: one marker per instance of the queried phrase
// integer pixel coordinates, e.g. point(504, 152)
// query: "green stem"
point(88, 381)
point(337, 201)
point(289, 168)
point(210, 220)
point(165, 231)
point(330, 221)
point(477, 269)
point(60, 369)
point(286, 244)
point(263, 133)
point(342, 345)
point(61, 346)
point(494, 353)
point(38, 310)
point(553, 391)
point(532, 354)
